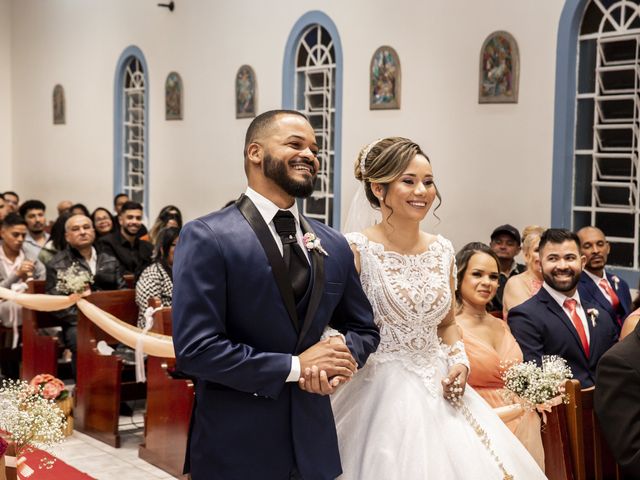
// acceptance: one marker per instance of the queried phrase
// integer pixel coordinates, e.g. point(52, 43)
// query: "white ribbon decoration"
point(148, 325)
point(14, 312)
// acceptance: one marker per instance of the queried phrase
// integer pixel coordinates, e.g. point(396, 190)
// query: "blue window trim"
point(564, 124)
point(118, 146)
point(316, 17)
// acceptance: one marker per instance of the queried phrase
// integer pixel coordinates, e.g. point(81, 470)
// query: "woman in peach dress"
point(488, 341)
point(525, 285)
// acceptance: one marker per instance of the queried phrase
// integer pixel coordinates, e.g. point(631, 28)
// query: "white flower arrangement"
point(73, 280)
point(533, 386)
point(313, 243)
point(27, 419)
point(593, 315)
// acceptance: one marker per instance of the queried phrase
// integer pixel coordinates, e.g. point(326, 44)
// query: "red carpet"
point(59, 470)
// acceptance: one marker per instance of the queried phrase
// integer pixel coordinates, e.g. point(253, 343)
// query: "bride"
point(408, 413)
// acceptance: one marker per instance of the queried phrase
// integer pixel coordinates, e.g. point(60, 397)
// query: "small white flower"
point(313, 243)
point(593, 315)
point(616, 281)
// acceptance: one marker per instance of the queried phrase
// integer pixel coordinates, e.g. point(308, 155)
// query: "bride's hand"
point(455, 382)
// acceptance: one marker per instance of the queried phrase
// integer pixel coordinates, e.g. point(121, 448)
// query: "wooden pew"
point(40, 351)
point(103, 382)
point(558, 461)
point(169, 405)
point(592, 457)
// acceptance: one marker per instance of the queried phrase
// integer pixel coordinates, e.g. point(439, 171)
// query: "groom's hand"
point(331, 358)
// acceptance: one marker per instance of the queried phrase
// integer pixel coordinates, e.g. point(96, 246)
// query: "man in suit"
point(617, 402)
point(557, 320)
point(252, 298)
point(609, 292)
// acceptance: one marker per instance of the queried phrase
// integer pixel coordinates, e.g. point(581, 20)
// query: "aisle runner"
point(59, 470)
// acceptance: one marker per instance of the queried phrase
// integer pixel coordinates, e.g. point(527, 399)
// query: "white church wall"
point(5, 95)
point(492, 162)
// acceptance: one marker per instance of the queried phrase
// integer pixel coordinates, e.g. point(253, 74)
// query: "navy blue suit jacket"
point(590, 291)
point(541, 327)
point(235, 328)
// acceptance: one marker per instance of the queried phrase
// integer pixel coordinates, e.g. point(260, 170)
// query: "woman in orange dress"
point(488, 341)
point(525, 285)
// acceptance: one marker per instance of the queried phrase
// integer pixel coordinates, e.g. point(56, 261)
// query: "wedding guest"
point(3, 209)
point(557, 320)
point(64, 206)
point(118, 201)
point(79, 209)
point(56, 240)
point(124, 243)
point(609, 292)
point(169, 216)
point(33, 213)
point(505, 242)
point(103, 222)
point(487, 340)
point(617, 402)
point(12, 200)
point(80, 251)
point(15, 268)
point(157, 279)
point(523, 286)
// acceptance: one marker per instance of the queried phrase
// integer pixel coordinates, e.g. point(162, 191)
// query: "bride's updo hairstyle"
point(462, 263)
point(383, 161)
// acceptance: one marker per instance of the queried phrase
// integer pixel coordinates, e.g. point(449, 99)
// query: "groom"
point(251, 301)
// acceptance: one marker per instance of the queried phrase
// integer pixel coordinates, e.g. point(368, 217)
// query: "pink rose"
point(51, 390)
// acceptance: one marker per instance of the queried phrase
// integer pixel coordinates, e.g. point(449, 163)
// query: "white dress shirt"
point(268, 210)
point(597, 281)
point(560, 297)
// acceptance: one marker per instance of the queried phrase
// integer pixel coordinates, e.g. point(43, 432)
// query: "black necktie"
point(292, 254)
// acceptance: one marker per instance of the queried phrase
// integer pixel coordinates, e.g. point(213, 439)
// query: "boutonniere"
point(616, 281)
point(313, 243)
point(593, 315)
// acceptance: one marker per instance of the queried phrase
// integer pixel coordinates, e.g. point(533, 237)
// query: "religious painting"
point(173, 91)
point(245, 92)
point(384, 82)
point(499, 69)
point(59, 107)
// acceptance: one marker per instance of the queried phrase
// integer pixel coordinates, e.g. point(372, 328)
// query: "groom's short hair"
point(262, 122)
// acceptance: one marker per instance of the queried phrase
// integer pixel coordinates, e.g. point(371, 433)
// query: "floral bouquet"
point(536, 387)
point(73, 280)
point(28, 420)
point(49, 387)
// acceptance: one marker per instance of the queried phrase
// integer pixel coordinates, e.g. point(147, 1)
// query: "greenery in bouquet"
point(27, 418)
point(73, 280)
point(49, 387)
point(533, 385)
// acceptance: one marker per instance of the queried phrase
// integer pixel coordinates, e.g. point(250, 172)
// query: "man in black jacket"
point(617, 402)
point(104, 268)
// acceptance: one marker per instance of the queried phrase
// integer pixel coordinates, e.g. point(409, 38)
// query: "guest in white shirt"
point(33, 213)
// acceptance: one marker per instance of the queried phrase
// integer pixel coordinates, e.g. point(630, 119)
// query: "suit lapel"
point(558, 311)
point(593, 335)
point(317, 278)
point(278, 267)
point(597, 295)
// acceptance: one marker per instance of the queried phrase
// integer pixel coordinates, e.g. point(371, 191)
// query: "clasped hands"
point(325, 365)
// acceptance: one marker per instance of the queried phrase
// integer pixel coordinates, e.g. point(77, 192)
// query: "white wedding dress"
point(392, 420)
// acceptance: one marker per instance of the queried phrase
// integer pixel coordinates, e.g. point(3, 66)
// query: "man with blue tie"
point(608, 291)
point(255, 287)
point(557, 320)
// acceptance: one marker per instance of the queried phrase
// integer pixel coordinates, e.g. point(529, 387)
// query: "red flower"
point(3, 446)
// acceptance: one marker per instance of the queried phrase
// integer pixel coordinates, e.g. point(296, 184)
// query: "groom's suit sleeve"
point(199, 318)
point(527, 332)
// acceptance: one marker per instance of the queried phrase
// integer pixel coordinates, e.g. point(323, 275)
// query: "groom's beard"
point(276, 170)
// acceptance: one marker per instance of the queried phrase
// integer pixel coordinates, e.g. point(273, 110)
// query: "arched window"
point(597, 169)
point(313, 85)
point(131, 167)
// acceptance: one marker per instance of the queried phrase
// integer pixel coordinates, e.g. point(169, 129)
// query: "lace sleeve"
point(456, 354)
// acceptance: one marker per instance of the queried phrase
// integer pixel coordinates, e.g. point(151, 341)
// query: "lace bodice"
point(410, 296)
